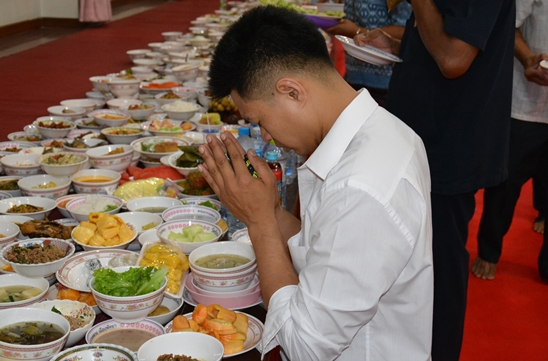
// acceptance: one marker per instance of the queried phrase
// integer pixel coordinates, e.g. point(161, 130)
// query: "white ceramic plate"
point(253, 336)
point(367, 53)
point(75, 274)
point(52, 296)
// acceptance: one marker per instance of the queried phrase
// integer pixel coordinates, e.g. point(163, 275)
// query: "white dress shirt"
point(530, 100)
point(364, 252)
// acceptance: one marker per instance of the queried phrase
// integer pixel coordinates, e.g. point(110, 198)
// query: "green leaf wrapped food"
point(190, 158)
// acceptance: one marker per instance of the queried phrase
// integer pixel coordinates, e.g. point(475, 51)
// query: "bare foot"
point(483, 269)
point(538, 226)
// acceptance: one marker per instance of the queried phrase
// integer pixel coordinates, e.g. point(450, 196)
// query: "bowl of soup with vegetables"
point(19, 291)
point(32, 334)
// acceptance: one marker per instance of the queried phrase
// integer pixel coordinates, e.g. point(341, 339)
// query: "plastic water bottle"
point(272, 161)
point(272, 147)
point(257, 139)
point(243, 138)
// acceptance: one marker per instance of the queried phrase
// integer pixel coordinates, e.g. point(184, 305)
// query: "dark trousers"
point(528, 142)
point(540, 186)
point(450, 217)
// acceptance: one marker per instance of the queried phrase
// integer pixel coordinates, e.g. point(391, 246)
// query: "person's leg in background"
point(450, 217)
point(527, 143)
point(540, 189)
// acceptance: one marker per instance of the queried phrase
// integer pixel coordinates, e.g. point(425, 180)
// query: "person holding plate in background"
point(362, 16)
point(454, 88)
point(352, 278)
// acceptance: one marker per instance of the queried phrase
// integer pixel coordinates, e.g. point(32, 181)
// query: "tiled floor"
point(30, 39)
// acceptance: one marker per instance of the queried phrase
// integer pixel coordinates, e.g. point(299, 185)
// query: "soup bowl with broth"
point(95, 181)
point(53, 328)
point(223, 266)
point(10, 283)
point(128, 335)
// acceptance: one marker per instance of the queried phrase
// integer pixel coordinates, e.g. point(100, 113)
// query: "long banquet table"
point(38, 78)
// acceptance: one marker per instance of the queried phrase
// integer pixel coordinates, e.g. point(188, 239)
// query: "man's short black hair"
point(264, 43)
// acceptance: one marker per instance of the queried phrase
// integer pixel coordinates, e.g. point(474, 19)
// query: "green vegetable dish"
point(134, 282)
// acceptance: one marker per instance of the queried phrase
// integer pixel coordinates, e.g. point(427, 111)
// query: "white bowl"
point(162, 101)
point(46, 203)
point(116, 162)
point(148, 236)
point(137, 53)
point(194, 344)
point(125, 88)
point(62, 170)
point(121, 246)
point(199, 40)
point(199, 200)
point(122, 135)
point(110, 117)
point(128, 309)
point(187, 247)
point(67, 112)
point(54, 133)
point(53, 143)
point(186, 72)
point(9, 232)
point(225, 282)
point(137, 146)
point(25, 137)
point(242, 236)
point(174, 306)
point(191, 212)
point(42, 352)
point(62, 202)
point(76, 202)
point(183, 90)
point(171, 35)
point(147, 62)
point(160, 203)
point(227, 247)
point(139, 114)
point(172, 162)
point(38, 270)
point(14, 279)
point(88, 104)
point(120, 102)
point(30, 186)
point(73, 309)
point(90, 143)
point(203, 97)
point(105, 328)
point(88, 181)
point(100, 83)
point(139, 219)
point(172, 110)
point(89, 353)
point(22, 165)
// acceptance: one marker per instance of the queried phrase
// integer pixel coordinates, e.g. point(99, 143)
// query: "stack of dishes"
point(233, 284)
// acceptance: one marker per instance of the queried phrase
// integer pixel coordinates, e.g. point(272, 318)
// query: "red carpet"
point(507, 318)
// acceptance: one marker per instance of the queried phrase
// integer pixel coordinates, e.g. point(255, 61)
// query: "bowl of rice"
point(180, 110)
point(80, 208)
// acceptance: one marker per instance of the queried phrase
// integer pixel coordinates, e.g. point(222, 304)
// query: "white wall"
point(16, 11)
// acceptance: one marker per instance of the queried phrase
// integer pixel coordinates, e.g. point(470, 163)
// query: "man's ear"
point(290, 89)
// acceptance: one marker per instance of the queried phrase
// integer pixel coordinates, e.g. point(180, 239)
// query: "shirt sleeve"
point(472, 21)
point(401, 13)
point(524, 8)
point(357, 249)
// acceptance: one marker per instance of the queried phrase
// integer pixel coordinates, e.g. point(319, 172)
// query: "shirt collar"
point(332, 147)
